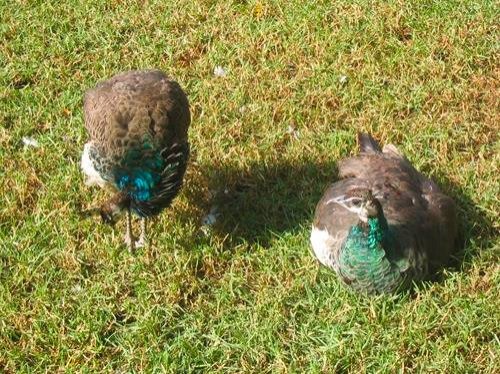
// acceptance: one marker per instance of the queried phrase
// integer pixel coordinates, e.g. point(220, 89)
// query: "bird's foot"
point(141, 243)
point(130, 242)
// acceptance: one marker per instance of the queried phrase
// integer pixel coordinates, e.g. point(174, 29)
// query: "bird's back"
point(123, 111)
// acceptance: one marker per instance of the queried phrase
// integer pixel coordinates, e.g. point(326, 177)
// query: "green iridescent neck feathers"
point(367, 258)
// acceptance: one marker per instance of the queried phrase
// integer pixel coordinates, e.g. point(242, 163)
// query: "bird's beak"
point(107, 218)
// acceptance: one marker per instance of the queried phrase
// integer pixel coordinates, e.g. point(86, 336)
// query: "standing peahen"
point(138, 124)
point(383, 225)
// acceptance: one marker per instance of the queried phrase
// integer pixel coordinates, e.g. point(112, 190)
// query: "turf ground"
point(245, 295)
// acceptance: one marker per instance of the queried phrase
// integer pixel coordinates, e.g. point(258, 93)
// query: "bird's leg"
point(142, 239)
point(129, 240)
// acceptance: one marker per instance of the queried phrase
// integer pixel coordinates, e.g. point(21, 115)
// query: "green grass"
point(245, 296)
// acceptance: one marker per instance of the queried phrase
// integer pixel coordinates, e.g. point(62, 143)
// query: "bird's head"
point(362, 202)
point(110, 213)
point(112, 209)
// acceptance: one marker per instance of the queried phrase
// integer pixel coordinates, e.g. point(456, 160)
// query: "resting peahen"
point(383, 225)
point(138, 124)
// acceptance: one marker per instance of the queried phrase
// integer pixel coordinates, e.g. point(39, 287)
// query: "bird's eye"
point(356, 202)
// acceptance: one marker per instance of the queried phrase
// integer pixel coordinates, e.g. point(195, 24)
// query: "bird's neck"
point(367, 241)
point(376, 231)
point(120, 200)
point(367, 260)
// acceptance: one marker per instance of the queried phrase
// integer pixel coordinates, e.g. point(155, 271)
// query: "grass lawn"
point(245, 295)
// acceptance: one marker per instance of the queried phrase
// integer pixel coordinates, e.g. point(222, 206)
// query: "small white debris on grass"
point(76, 288)
point(219, 71)
point(292, 131)
point(211, 217)
point(343, 79)
point(30, 142)
point(209, 220)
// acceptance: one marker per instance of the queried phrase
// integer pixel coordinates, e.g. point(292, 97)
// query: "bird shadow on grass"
point(476, 228)
point(262, 201)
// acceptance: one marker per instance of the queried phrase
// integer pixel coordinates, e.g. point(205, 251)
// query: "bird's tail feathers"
point(176, 157)
point(367, 144)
